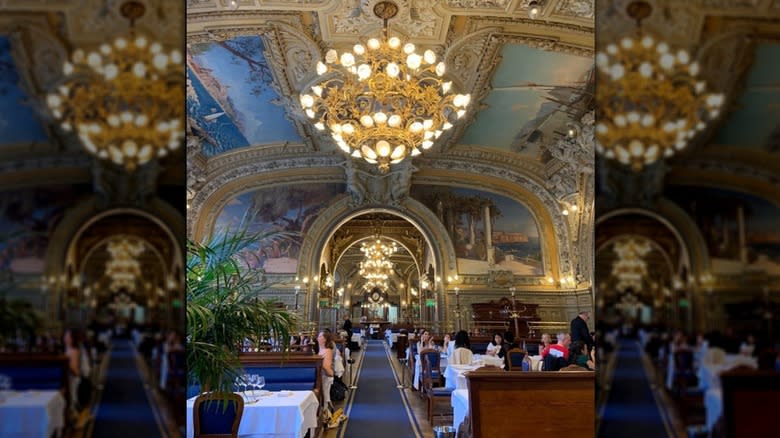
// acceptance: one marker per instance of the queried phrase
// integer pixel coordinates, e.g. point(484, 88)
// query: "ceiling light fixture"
point(650, 102)
point(382, 101)
point(534, 9)
point(123, 99)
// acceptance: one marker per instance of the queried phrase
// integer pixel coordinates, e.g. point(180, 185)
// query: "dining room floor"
point(417, 405)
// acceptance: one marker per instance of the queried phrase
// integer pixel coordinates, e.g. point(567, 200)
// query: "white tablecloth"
point(418, 368)
point(455, 378)
point(356, 337)
point(713, 405)
point(33, 414)
point(273, 416)
point(536, 361)
point(484, 359)
point(392, 338)
point(460, 406)
point(709, 374)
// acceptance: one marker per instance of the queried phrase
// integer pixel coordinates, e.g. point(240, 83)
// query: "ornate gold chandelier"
point(123, 268)
point(376, 267)
point(123, 100)
point(650, 102)
point(383, 101)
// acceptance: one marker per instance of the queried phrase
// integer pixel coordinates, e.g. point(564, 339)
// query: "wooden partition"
point(750, 403)
point(555, 404)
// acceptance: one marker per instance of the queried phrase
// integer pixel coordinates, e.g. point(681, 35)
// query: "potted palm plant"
point(224, 310)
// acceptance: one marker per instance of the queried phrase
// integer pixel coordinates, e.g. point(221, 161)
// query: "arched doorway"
point(378, 265)
point(123, 267)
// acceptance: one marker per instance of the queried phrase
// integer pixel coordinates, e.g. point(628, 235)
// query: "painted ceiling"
point(235, 80)
point(18, 122)
point(231, 101)
point(756, 113)
point(533, 94)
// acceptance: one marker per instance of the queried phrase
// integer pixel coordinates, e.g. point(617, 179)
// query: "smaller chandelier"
point(382, 101)
point(124, 99)
point(650, 102)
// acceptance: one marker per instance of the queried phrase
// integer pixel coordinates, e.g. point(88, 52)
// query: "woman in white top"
point(326, 347)
point(496, 347)
point(426, 341)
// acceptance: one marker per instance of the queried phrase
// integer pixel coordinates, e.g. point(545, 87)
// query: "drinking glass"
point(260, 381)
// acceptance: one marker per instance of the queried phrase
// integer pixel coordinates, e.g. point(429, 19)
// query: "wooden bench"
point(558, 404)
point(35, 371)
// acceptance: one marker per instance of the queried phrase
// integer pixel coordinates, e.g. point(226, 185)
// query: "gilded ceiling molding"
point(531, 168)
point(60, 169)
point(727, 175)
point(91, 22)
point(419, 20)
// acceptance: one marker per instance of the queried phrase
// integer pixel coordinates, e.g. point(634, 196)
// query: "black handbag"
point(84, 391)
point(338, 390)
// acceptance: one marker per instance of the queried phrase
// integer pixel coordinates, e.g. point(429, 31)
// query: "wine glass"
point(260, 381)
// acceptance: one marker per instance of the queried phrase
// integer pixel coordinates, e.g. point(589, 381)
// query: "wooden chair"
point(518, 360)
point(429, 391)
point(434, 358)
point(573, 367)
point(212, 419)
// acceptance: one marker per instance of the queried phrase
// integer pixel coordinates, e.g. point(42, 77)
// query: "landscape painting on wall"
point(724, 217)
point(514, 244)
point(288, 209)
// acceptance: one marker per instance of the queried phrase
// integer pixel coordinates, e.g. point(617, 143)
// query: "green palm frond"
point(223, 307)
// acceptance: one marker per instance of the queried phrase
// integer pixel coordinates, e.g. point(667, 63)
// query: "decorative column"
point(491, 252)
point(741, 225)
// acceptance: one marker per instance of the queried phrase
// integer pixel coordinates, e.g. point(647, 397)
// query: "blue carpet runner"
point(124, 409)
point(631, 409)
point(378, 409)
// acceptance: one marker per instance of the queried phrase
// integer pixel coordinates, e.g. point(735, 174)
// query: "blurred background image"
point(92, 218)
point(687, 241)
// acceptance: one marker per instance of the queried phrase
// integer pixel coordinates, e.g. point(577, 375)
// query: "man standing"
point(347, 325)
point(579, 329)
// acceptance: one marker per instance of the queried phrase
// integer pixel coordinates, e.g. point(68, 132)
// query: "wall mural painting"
point(289, 209)
point(740, 229)
point(27, 219)
point(514, 244)
point(231, 100)
point(18, 123)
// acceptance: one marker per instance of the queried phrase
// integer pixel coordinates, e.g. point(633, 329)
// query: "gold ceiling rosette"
point(383, 101)
point(650, 101)
point(124, 98)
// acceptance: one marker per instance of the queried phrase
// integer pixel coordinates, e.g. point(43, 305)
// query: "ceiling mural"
point(534, 94)
point(18, 122)
point(756, 114)
point(231, 100)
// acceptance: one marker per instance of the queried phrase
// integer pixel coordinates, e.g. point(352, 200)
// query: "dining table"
point(272, 414)
point(31, 413)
